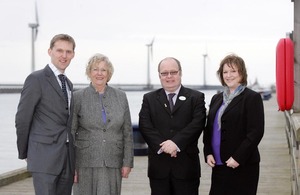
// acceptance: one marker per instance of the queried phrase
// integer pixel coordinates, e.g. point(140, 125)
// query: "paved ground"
point(275, 164)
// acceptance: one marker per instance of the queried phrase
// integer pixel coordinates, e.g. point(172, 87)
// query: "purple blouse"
point(102, 108)
point(216, 139)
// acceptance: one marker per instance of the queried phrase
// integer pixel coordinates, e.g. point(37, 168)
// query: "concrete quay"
point(275, 175)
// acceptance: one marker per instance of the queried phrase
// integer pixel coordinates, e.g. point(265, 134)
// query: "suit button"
point(104, 130)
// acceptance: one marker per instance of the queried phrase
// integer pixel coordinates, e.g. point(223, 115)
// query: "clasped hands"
point(229, 163)
point(169, 147)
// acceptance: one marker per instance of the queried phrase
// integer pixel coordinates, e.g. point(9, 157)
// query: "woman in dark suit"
point(235, 127)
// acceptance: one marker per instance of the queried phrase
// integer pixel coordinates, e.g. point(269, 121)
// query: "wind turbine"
point(34, 32)
point(204, 69)
point(150, 60)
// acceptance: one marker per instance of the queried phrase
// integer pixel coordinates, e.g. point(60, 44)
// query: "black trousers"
point(241, 180)
point(173, 186)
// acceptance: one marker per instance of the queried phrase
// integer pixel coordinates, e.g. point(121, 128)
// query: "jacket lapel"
point(182, 96)
point(162, 99)
point(216, 104)
point(234, 102)
point(53, 81)
point(70, 85)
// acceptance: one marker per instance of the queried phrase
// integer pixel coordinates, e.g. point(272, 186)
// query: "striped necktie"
point(171, 95)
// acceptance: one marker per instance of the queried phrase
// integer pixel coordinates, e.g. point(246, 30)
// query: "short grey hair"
point(97, 58)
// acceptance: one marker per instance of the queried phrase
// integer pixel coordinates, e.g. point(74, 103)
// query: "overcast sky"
point(121, 29)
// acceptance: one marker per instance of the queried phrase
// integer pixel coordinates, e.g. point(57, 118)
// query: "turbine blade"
point(36, 33)
point(36, 20)
point(151, 49)
point(36, 14)
point(152, 41)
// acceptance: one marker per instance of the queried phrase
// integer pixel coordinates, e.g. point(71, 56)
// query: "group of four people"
point(83, 141)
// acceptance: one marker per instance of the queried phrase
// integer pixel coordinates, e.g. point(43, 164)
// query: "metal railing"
point(293, 138)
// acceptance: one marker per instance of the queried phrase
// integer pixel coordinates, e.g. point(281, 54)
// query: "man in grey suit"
point(43, 122)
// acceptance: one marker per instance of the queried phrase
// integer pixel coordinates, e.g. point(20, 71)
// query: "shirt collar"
point(55, 70)
point(176, 91)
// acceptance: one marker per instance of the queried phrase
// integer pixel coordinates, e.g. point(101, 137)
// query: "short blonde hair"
point(97, 58)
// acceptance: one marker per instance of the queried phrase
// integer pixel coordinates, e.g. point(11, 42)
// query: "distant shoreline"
point(17, 88)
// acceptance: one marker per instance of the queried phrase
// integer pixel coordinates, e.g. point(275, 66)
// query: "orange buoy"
point(285, 74)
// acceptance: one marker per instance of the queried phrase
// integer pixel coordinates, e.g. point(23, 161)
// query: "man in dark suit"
point(171, 126)
point(43, 122)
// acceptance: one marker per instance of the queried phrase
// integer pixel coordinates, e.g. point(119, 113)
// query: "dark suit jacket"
point(183, 126)
point(43, 123)
point(242, 127)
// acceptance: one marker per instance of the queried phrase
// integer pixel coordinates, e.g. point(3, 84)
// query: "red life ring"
point(285, 74)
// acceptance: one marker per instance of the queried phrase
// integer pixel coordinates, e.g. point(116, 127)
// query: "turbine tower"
point(150, 60)
point(34, 32)
point(204, 69)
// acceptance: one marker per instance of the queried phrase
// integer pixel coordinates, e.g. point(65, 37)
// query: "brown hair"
point(62, 37)
point(231, 60)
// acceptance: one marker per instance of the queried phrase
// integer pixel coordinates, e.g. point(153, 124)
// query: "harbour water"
point(9, 157)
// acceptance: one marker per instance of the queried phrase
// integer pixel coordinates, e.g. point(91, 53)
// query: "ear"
point(49, 51)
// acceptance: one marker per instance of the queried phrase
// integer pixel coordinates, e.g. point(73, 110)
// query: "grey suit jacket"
point(99, 144)
point(43, 123)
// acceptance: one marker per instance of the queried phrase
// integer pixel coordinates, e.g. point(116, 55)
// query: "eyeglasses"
point(172, 73)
